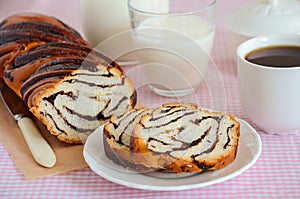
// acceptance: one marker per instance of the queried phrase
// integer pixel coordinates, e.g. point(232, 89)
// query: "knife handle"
point(39, 147)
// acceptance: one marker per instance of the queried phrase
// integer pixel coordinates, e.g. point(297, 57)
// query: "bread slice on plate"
point(177, 137)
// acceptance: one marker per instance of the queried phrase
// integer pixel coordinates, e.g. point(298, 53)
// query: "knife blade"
point(38, 146)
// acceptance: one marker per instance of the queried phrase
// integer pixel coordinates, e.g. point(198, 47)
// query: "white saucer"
point(248, 152)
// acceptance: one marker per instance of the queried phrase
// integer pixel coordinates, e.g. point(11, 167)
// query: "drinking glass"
point(173, 41)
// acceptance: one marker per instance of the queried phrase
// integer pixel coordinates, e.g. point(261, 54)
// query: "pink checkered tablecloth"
point(276, 174)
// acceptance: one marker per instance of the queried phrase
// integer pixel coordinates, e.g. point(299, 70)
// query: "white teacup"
point(270, 96)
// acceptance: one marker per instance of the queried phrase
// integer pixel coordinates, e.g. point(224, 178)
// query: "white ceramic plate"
point(248, 152)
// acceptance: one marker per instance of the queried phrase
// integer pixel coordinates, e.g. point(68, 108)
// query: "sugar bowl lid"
point(262, 17)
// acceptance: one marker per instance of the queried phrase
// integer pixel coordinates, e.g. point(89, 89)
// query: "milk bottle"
point(106, 25)
point(103, 19)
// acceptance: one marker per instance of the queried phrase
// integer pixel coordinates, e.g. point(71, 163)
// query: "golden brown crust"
point(16, 18)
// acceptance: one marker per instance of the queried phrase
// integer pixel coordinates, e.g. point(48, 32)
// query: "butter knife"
point(38, 146)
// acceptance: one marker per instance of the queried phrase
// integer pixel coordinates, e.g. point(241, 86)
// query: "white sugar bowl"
point(262, 17)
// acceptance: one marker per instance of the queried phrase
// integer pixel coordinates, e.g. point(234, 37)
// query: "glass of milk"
point(103, 22)
point(173, 41)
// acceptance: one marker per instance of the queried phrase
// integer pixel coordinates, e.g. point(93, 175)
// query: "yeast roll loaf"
point(65, 83)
